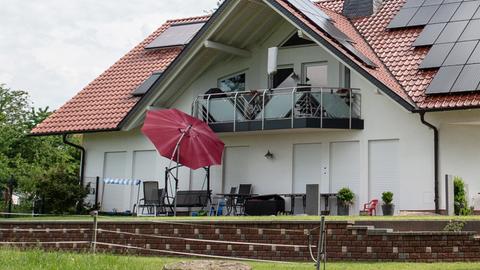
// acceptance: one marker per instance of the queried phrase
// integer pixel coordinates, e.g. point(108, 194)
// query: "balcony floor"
point(256, 125)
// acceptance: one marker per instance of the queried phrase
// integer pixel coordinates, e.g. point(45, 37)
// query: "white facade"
point(394, 152)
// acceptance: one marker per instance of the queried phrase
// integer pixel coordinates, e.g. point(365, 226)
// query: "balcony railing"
point(303, 106)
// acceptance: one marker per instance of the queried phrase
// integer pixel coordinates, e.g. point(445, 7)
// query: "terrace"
point(280, 108)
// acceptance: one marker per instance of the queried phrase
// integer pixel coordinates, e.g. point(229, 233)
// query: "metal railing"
point(277, 104)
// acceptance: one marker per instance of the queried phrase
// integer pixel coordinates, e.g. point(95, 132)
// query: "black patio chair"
point(153, 198)
point(244, 190)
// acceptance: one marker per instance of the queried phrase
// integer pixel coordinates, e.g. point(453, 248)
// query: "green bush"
point(454, 226)
point(460, 198)
point(387, 197)
point(346, 196)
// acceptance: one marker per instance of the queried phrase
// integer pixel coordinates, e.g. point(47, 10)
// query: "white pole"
point(176, 150)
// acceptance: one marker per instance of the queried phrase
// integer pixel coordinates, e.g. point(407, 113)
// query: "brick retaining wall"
point(345, 240)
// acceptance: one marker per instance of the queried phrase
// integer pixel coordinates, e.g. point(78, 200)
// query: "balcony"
point(282, 108)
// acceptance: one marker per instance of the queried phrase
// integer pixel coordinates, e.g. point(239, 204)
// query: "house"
point(374, 95)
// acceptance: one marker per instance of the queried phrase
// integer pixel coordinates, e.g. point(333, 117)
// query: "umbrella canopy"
point(199, 145)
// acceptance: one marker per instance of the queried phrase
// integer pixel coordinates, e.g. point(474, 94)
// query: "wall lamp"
point(269, 155)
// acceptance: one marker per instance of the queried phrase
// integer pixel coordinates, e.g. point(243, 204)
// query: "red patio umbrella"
point(179, 136)
point(184, 139)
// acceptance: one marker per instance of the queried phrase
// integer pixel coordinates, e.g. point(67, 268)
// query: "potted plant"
point(388, 207)
point(345, 198)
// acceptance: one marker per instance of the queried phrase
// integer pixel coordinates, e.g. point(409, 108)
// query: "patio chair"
point(370, 208)
point(243, 189)
point(152, 198)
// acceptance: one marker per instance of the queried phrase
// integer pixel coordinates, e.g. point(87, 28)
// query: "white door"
point(383, 169)
point(235, 167)
point(115, 197)
point(345, 168)
point(198, 179)
point(145, 168)
point(307, 167)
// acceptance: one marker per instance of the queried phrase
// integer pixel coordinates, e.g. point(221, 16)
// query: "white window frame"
point(233, 75)
point(310, 64)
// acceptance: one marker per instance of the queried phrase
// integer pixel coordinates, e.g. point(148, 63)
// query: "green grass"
point(35, 259)
point(233, 218)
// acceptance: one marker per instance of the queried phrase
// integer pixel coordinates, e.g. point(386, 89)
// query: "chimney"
point(360, 8)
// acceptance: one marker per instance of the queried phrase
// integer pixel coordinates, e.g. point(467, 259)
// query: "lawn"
point(26, 260)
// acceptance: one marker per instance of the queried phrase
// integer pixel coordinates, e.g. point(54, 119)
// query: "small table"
point(292, 197)
point(233, 197)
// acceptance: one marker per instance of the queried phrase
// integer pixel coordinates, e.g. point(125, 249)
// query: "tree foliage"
point(44, 167)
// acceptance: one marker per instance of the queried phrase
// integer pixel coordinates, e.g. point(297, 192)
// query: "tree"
point(44, 167)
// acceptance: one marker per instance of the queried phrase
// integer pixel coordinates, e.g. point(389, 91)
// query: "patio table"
point(292, 197)
point(327, 196)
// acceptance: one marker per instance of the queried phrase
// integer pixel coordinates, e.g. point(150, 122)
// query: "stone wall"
point(286, 241)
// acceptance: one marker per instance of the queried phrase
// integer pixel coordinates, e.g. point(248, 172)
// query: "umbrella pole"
point(177, 151)
point(176, 180)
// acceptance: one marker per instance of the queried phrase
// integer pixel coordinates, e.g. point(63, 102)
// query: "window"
point(315, 74)
point(295, 40)
point(285, 78)
point(232, 83)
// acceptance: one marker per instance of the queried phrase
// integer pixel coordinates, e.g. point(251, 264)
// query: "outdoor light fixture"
point(269, 155)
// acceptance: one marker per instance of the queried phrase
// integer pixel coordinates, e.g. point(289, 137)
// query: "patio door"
point(235, 167)
point(116, 197)
point(307, 169)
point(345, 169)
point(146, 168)
point(383, 170)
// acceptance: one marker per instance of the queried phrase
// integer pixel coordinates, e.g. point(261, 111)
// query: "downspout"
point(82, 158)
point(436, 160)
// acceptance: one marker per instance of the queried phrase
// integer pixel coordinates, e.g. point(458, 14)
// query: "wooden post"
point(95, 228)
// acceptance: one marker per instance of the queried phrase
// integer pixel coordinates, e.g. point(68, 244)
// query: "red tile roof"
point(381, 73)
point(394, 48)
point(105, 102)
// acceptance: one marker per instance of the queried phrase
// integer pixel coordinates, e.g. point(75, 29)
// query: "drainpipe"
point(82, 159)
point(436, 160)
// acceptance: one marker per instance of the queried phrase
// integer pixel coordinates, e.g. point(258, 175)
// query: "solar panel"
point(432, 2)
point(452, 32)
point(175, 35)
point(413, 3)
point(436, 56)
point(403, 17)
point(477, 14)
point(317, 16)
point(423, 15)
point(444, 80)
point(147, 84)
point(466, 11)
point(475, 57)
point(468, 79)
point(472, 31)
point(322, 20)
point(452, 1)
point(460, 53)
point(429, 34)
point(444, 13)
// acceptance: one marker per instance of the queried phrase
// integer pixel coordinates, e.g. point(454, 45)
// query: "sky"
point(54, 48)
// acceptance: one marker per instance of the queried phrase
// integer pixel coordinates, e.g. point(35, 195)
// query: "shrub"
point(454, 226)
point(460, 198)
point(387, 197)
point(346, 196)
